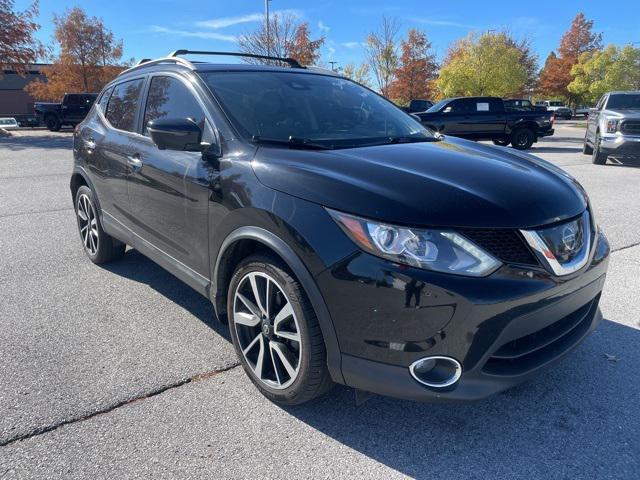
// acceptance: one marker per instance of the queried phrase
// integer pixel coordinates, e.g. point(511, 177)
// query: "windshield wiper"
point(291, 142)
point(410, 139)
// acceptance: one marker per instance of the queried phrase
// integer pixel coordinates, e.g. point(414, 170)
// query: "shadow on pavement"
point(43, 141)
point(578, 420)
point(632, 162)
point(139, 268)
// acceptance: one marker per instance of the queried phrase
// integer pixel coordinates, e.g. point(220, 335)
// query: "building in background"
point(14, 101)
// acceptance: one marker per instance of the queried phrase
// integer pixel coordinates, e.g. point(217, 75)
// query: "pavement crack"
point(8, 215)
point(625, 247)
point(110, 408)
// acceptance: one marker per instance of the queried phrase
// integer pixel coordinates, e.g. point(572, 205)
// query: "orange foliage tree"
point(556, 74)
point(18, 45)
point(302, 48)
point(88, 58)
point(417, 70)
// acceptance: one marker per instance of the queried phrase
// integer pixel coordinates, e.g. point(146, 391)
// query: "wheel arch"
point(246, 240)
point(78, 178)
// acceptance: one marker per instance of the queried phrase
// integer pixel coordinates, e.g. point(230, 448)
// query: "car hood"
point(450, 183)
point(631, 113)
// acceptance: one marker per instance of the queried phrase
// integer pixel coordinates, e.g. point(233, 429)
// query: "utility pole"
point(266, 14)
point(332, 64)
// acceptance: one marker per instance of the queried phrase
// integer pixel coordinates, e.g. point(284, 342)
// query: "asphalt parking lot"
point(121, 372)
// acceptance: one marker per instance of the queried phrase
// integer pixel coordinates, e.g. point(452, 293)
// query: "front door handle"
point(134, 162)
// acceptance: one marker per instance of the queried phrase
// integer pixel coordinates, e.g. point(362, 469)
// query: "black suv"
point(341, 240)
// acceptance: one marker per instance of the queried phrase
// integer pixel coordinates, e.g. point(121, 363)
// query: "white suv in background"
point(559, 108)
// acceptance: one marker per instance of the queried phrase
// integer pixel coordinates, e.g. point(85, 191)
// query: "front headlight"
point(438, 250)
point(612, 125)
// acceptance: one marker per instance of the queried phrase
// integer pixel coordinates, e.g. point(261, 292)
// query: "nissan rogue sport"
point(341, 240)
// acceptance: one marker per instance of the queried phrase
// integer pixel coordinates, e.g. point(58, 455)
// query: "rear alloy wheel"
point(523, 138)
point(98, 246)
point(275, 332)
point(53, 123)
point(597, 156)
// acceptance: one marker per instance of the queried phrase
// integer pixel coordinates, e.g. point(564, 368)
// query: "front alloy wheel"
point(267, 330)
point(275, 332)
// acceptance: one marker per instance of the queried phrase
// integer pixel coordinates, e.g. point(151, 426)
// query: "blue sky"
point(152, 28)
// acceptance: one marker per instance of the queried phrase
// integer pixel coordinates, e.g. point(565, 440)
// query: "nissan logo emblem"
point(569, 238)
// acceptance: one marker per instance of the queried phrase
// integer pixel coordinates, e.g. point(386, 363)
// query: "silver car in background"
point(613, 127)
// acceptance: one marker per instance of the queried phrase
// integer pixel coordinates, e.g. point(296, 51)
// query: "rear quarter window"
point(123, 105)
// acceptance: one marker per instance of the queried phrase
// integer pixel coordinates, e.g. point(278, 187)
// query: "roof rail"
point(147, 63)
point(292, 62)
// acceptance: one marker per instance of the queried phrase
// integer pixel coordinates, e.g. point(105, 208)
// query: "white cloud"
point(195, 34)
point(442, 23)
point(323, 27)
point(216, 23)
point(353, 44)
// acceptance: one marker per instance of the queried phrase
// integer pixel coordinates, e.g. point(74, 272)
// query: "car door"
point(168, 189)
point(458, 118)
point(489, 118)
point(74, 108)
point(111, 136)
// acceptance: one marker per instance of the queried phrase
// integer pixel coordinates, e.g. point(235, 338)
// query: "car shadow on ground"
point(44, 141)
point(139, 268)
point(578, 420)
point(631, 162)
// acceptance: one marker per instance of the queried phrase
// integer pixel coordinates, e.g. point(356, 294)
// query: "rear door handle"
point(134, 162)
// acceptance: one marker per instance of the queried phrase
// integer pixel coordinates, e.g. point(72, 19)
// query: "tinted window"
point(624, 102)
point(556, 104)
point(121, 110)
point(170, 98)
point(104, 99)
point(463, 105)
point(322, 108)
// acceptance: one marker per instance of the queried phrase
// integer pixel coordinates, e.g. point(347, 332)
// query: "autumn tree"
point(556, 74)
point(597, 72)
point(489, 64)
point(88, 57)
point(358, 74)
point(417, 69)
point(18, 45)
point(285, 37)
point(382, 53)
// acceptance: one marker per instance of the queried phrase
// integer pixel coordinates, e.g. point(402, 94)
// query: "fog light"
point(436, 372)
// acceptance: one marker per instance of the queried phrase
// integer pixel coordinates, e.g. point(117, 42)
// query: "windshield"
point(308, 109)
point(556, 104)
point(624, 102)
point(438, 106)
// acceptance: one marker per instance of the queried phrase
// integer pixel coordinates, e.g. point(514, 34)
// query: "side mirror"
point(181, 134)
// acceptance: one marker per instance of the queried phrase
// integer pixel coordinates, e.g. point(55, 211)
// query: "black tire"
point(98, 245)
point(53, 123)
point(597, 157)
point(586, 148)
point(502, 142)
point(523, 138)
point(312, 379)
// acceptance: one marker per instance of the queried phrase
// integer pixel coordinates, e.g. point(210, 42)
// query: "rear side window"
point(104, 99)
point(123, 104)
point(169, 98)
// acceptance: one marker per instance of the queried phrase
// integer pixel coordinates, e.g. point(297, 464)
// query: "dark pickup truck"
point(486, 118)
point(71, 111)
point(418, 105)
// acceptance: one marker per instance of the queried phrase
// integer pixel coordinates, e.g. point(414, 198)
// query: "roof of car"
point(627, 92)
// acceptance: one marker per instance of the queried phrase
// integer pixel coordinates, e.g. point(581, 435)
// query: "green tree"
point(597, 72)
point(359, 74)
point(489, 64)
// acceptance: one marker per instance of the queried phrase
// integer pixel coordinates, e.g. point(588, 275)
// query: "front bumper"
point(503, 329)
point(619, 144)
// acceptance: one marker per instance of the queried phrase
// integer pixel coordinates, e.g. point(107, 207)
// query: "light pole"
point(266, 14)
point(332, 64)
